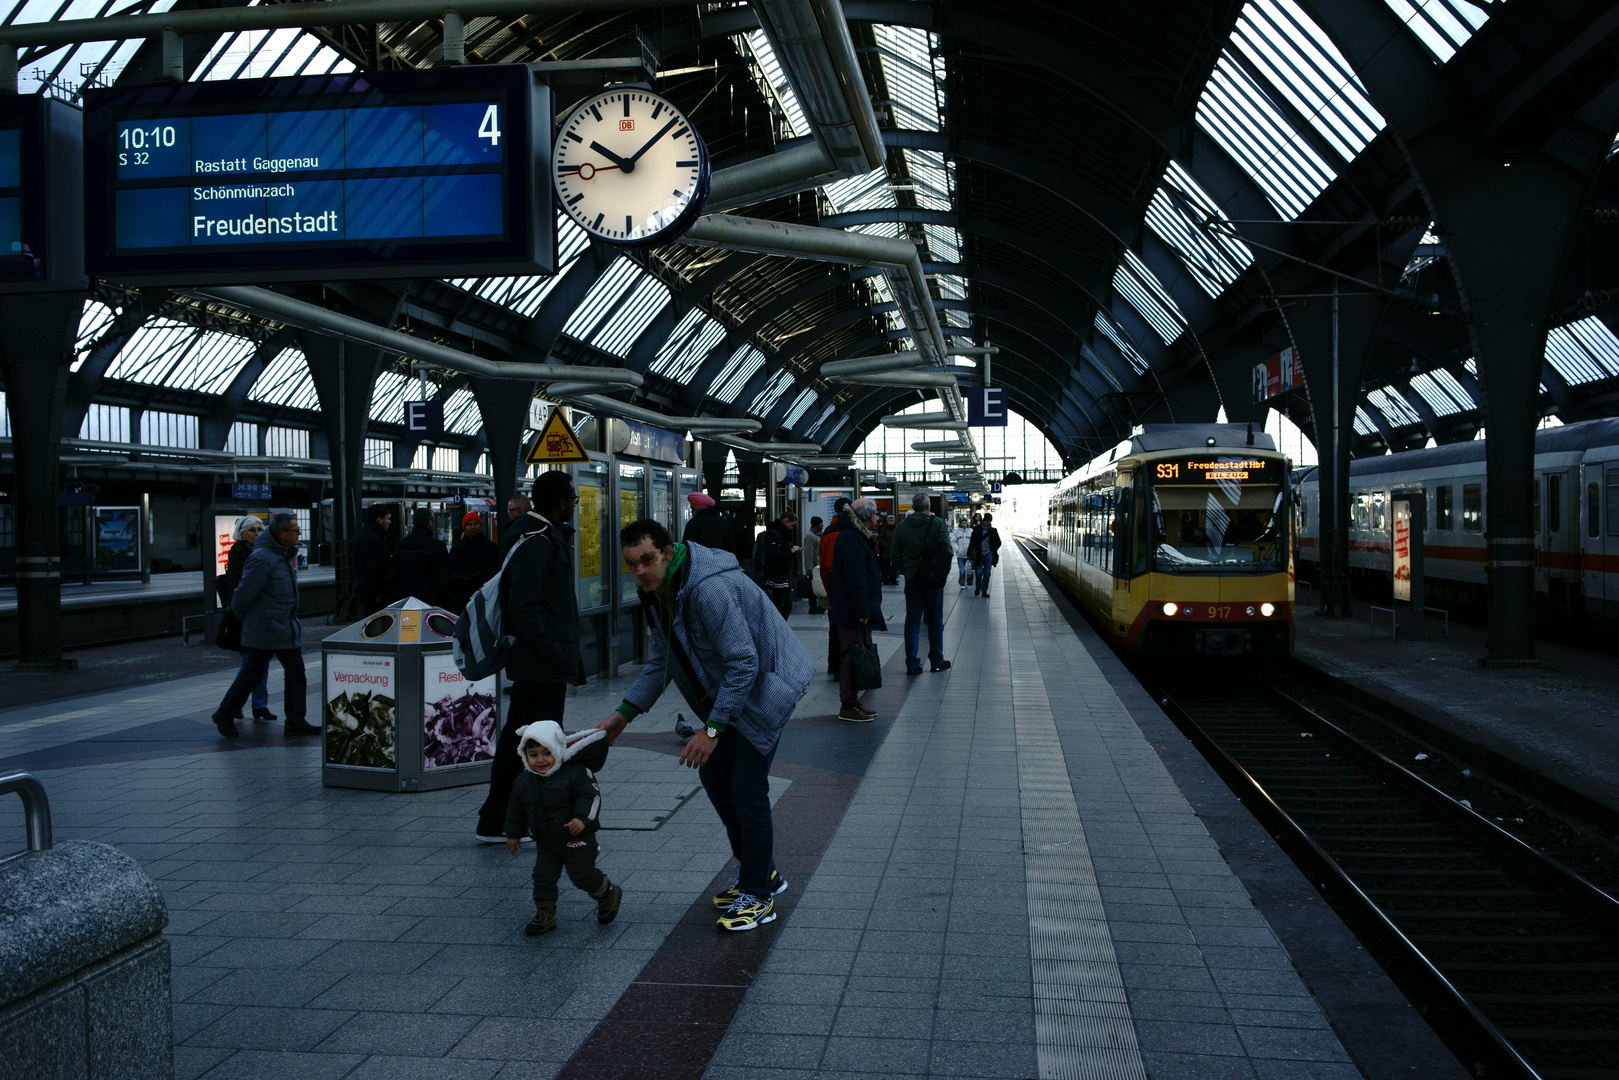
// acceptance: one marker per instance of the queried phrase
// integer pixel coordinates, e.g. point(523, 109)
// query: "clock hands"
point(586, 171)
point(628, 163)
point(661, 133)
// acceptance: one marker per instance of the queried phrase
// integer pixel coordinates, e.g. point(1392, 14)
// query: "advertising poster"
point(590, 534)
point(360, 710)
point(118, 538)
point(224, 529)
point(459, 718)
point(1402, 550)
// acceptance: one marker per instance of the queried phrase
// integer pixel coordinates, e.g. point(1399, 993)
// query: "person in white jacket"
point(960, 536)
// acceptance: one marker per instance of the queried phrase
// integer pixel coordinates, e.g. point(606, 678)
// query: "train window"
point(1473, 507)
point(1593, 509)
point(1304, 512)
point(1379, 522)
point(1442, 508)
point(1613, 502)
point(1534, 506)
point(1554, 502)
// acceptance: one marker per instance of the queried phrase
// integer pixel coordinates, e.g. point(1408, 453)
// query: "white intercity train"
point(1575, 509)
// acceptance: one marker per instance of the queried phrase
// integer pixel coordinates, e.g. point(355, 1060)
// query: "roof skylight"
point(1442, 25)
point(1395, 409)
point(1238, 114)
point(1584, 351)
point(773, 81)
point(1121, 343)
point(618, 333)
point(736, 373)
point(1185, 218)
point(800, 406)
point(1140, 286)
point(1442, 393)
point(682, 353)
point(285, 381)
point(765, 400)
point(603, 298)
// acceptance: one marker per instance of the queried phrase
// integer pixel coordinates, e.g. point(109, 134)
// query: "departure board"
point(11, 238)
point(41, 195)
point(391, 174)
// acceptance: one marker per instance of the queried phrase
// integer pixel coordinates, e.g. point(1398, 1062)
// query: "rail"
point(36, 806)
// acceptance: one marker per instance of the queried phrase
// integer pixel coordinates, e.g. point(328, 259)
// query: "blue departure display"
point(11, 238)
point(385, 171)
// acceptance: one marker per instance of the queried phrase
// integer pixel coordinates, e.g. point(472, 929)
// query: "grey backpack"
point(481, 644)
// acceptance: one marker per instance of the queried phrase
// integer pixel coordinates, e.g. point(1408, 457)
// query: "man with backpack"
point(923, 554)
point(540, 610)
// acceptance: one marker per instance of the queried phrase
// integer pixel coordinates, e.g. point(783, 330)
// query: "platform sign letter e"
point(986, 406)
point(424, 420)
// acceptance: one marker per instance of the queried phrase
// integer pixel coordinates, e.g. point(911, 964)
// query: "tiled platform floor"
point(1017, 889)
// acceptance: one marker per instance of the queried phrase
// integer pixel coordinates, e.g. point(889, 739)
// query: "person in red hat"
point(473, 561)
point(708, 526)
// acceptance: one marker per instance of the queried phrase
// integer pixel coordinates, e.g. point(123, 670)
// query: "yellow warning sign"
point(557, 444)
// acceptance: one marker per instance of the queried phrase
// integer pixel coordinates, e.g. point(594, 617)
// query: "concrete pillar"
point(344, 374)
point(1334, 386)
point(36, 352)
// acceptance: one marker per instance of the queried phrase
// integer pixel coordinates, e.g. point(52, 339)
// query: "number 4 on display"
point(490, 128)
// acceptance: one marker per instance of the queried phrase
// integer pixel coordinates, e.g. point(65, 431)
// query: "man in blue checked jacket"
point(720, 640)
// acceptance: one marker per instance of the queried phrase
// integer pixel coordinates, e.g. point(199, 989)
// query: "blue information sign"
point(11, 239)
point(250, 492)
point(378, 174)
point(41, 195)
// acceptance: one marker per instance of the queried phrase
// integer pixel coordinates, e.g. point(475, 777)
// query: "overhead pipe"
point(934, 447)
point(951, 461)
point(903, 378)
point(768, 449)
point(301, 313)
point(862, 365)
point(702, 426)
point(925, 422)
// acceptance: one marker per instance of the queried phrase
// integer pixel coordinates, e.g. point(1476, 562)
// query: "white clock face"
point(629, 167)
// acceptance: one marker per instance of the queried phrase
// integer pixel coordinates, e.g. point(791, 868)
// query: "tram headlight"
point(1170, 609)
point(1267, 610)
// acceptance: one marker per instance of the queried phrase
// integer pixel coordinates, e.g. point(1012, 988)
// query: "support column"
point(36, 354)
point(714, 468)
point(1334, 337)
point(344, 373)
point(504, 405)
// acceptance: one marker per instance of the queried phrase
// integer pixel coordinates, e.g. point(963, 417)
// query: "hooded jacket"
point(960, 537)
point(542, 804)
point(916, 534)
point(857, 580)
point(719, 639)
point(542, 609)
point(266, 599)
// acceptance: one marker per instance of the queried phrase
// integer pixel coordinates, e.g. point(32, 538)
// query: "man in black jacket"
point(778, 556)
point(422, 562)
point(542, 615)
point(520, 516)
point(984, 549)
point(708, 526)
point(373, 561)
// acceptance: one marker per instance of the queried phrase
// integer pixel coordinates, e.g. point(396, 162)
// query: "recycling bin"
point(396, 713)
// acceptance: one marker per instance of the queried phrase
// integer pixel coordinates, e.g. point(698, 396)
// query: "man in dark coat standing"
point(778, 551)
point(921, 534)
point(857, 599)
point(373, 560)
point(541, 609)
point(422, 562)
point(708, 526)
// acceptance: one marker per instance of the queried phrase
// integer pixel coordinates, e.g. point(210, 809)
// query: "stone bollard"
point(84, 968)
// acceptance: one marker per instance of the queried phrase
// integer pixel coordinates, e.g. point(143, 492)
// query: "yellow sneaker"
point(778, 885)
point(747, 913)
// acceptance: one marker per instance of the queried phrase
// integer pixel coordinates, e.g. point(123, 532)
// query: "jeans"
point(962, 562)
point(737, 779)
point(261, 692)
point(255, 670)
point(922, 603)
point(847, 636)
point(986, 559)
point(531, 701)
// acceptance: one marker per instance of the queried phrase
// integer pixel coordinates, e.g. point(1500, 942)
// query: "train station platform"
point(1558, 720)
point(1007, 874)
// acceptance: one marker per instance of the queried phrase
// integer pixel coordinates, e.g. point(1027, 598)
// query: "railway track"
point(1516, 955)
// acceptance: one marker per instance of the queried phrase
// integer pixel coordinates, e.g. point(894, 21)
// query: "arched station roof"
point(1126, 200)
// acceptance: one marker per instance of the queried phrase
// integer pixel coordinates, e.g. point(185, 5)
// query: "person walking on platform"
point(473, 560)
point(373, 560)
point(984, 549)
point(541, 609)
point(778, 549)
point(422, 562)
point(247, 531)
point(857, 600)
point(743, 671)
point(708, 526)
point(960, 537)
point(922, 552)
point(266, 601)
point(829, 538)
point(812, 563)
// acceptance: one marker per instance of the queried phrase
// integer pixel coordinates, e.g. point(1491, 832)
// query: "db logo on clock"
point(626, 125)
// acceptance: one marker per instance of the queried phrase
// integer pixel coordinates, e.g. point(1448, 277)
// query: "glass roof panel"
point(524, 295)
point(800, 406)
point(1121, 342)
point(819, 420)
point(602, 298)
point(1140, 286)
point(95, 320)
point(388, 396)
point(906, 54)
point(285, 381)
point(766, 399)
point(1237, 113)
point(1185, 218)
point(461, 414)
point(1301, 62)
point(212, 362)
point(1363, 422)
point(736, 373)
point(1442, 25)
point(1437, 395)
point(153, 351)
point(1395, 409)
point(683, 352)
point(70, 68)
point(773, 81)
point(1583, 352)
point(617, 335)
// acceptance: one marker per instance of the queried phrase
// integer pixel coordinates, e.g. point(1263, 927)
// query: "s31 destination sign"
point(373, 175)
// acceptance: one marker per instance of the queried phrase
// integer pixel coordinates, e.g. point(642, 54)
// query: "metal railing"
point(36, 807)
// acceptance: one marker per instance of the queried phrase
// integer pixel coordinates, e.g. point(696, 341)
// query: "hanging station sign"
point(361, 175)
point(41, 202)
point(1278, 374)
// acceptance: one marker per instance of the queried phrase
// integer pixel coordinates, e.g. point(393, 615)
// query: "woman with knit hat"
point(708, 526)
point(473, 561)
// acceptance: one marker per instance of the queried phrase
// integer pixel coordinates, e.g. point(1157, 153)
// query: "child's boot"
point(607, 901)
point(544, 920)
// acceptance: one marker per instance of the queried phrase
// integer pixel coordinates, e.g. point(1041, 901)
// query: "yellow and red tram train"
point(1178, 541)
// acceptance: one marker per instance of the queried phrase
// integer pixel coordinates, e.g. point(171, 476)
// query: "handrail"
point(36, 806)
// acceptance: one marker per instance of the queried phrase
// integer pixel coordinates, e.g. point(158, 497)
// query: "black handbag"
point(865, 666)
point(230, 632)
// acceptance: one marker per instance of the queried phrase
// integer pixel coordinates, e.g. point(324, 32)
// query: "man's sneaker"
point(856, 715)
point(917, 670)
point(942, 665)
point(778, 885)
point(485, 838)
point(747, 913)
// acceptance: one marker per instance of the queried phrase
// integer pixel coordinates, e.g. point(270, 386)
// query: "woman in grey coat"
point(266, 601)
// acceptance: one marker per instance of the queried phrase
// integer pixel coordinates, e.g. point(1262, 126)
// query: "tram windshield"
point(1219, 515)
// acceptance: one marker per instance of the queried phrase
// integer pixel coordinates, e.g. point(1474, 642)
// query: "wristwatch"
point(713, 732)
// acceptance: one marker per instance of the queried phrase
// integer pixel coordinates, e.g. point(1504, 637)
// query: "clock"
point(630, 168)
